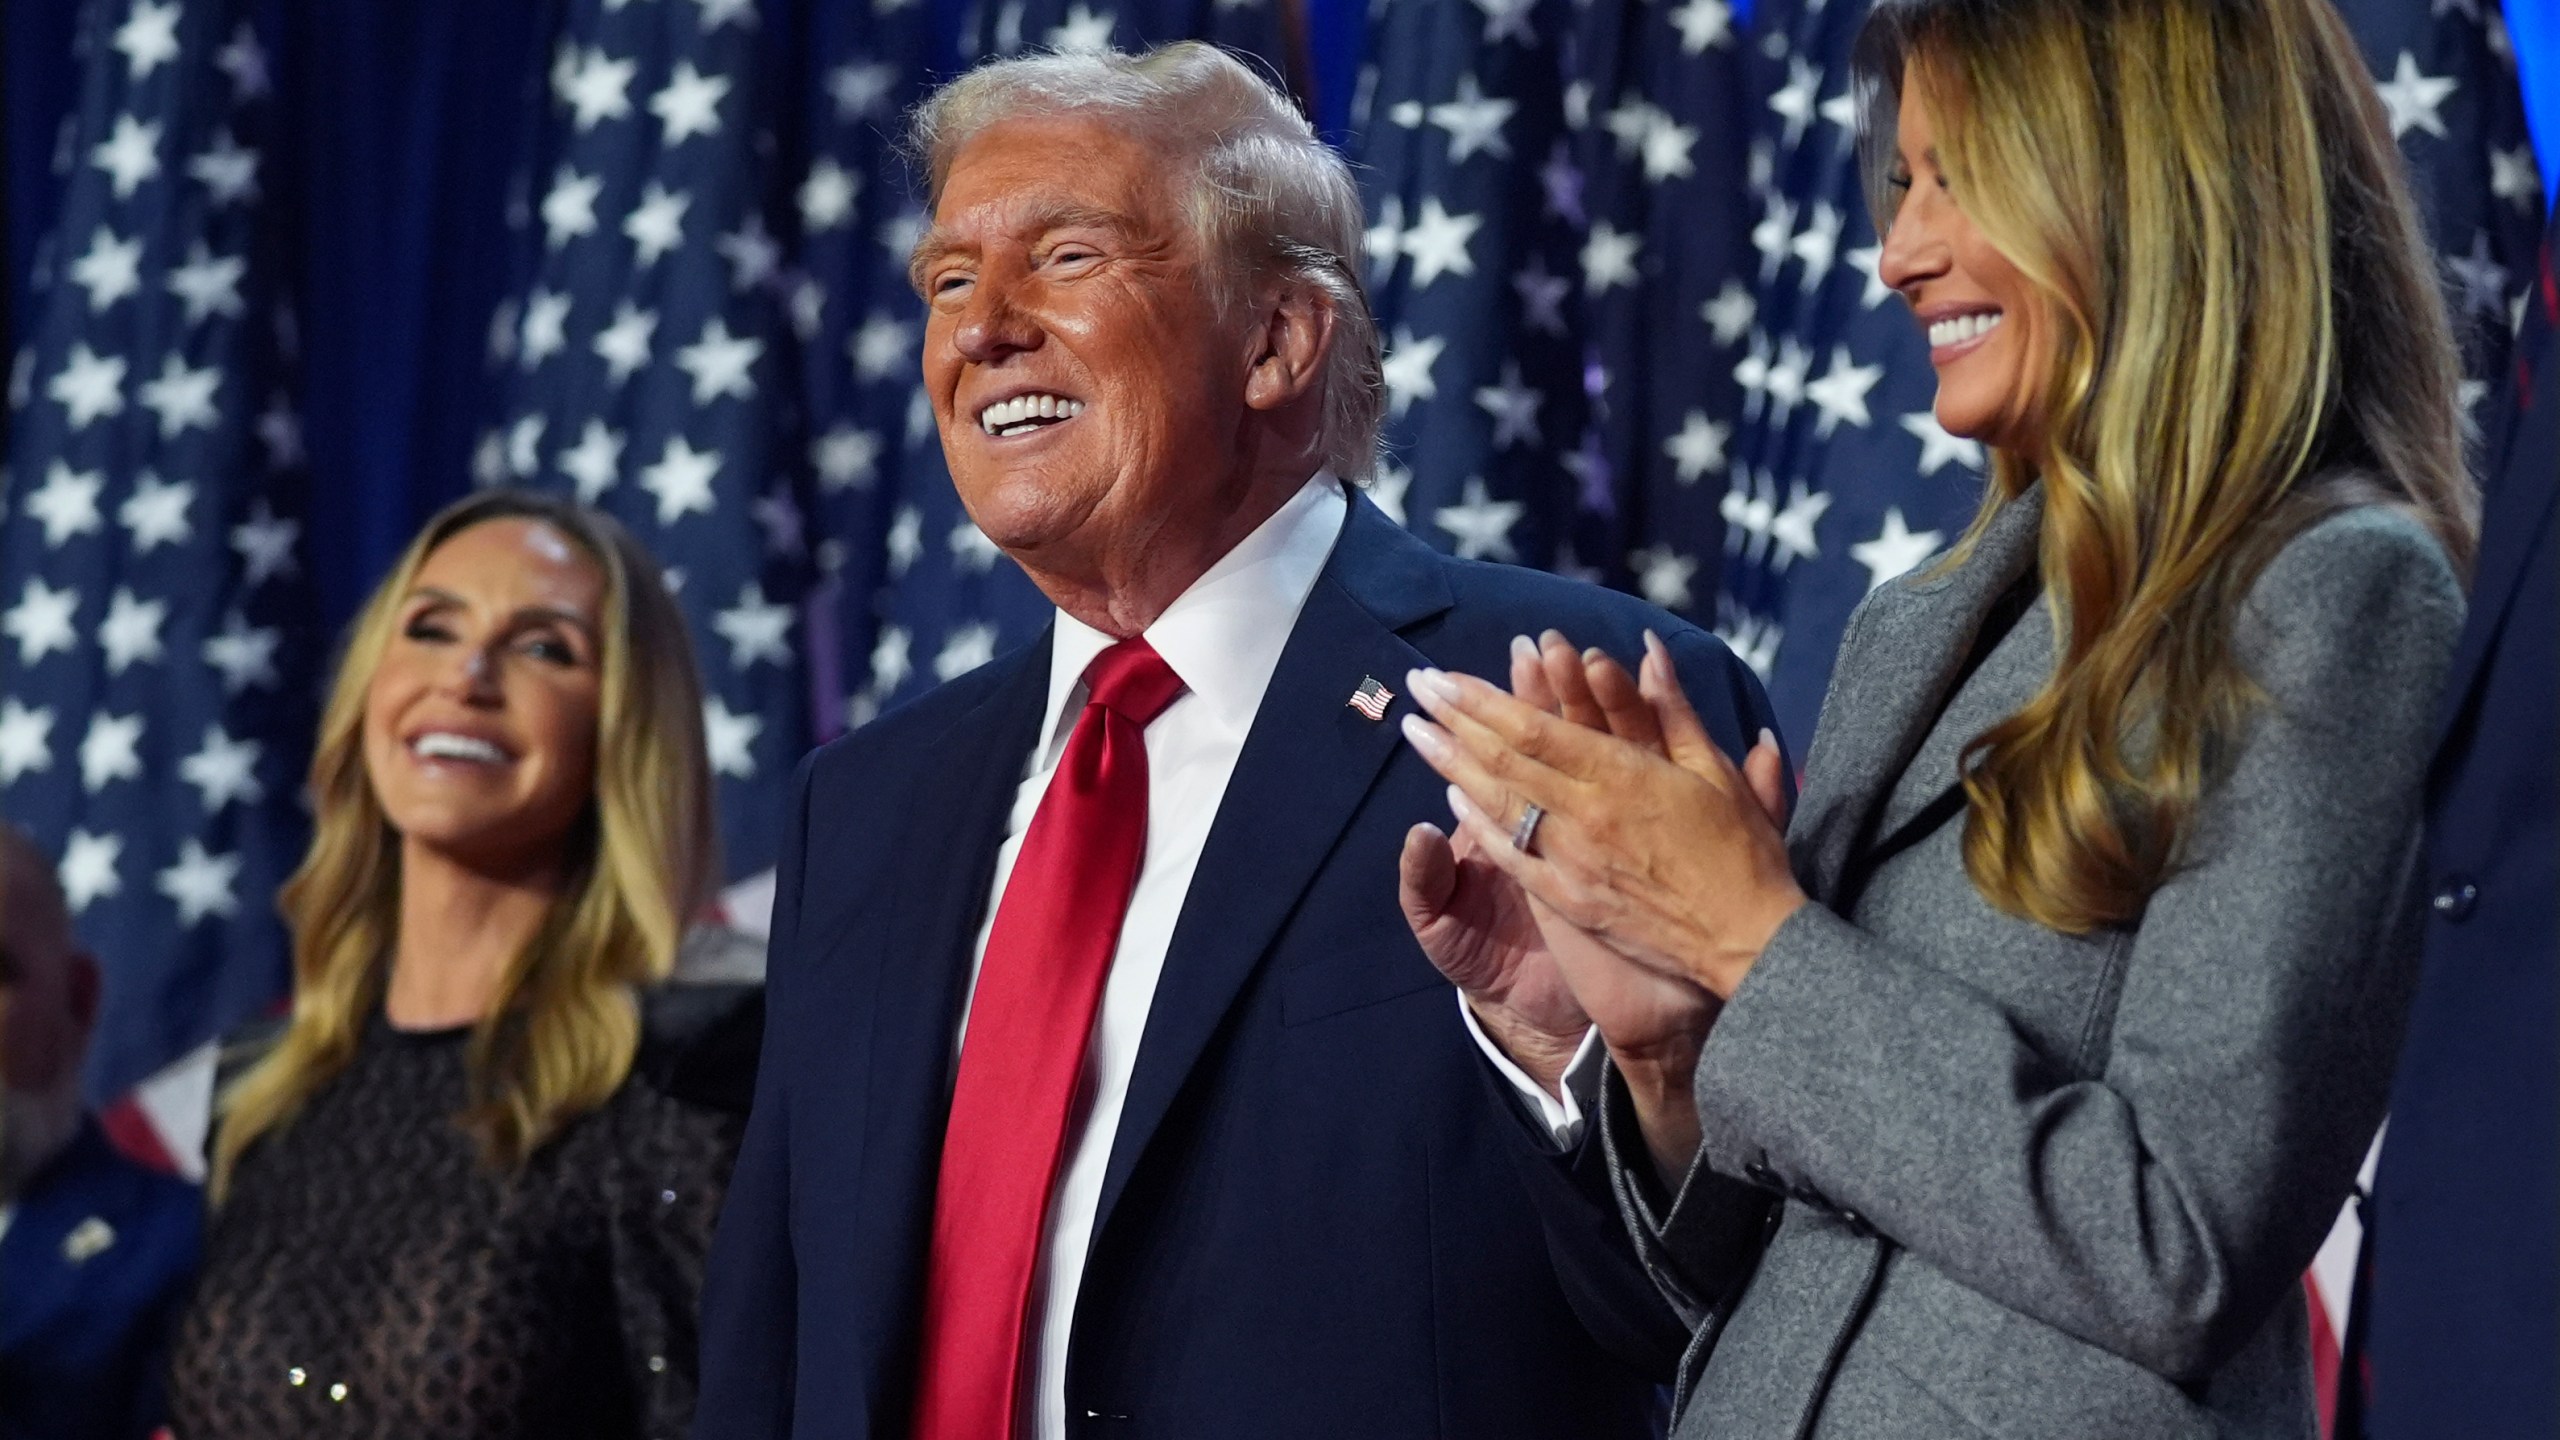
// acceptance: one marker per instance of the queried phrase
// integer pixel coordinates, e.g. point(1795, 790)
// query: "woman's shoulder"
point(2366, 593)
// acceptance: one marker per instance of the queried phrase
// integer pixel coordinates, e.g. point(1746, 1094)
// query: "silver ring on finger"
point(1525, 834)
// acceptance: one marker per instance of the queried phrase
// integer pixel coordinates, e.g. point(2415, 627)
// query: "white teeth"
point(1958, 330)
point(444, 745)
point(1013, 417)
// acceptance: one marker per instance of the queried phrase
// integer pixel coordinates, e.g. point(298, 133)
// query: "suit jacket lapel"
point(1307, 764)
point(2517, 507)
point(945, 862)
point(1885, 698)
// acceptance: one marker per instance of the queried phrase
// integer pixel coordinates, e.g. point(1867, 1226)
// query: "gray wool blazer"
point(1964, 1175)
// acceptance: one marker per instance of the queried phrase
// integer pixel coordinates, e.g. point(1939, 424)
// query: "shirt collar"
point(1222, 636)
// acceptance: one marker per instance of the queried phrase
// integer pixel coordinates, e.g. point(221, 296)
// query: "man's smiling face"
point(1088, 389)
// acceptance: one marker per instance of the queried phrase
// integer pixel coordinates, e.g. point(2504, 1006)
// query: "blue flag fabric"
point(2446, 72)
point(1843, 478)
point(1558, 254)
point(648, 364)
point(157, 667)
point(936, 599)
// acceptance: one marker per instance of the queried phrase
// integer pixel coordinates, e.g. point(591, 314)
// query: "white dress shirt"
point(1223, 638)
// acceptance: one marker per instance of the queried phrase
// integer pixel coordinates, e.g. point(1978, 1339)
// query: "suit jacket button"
point(2455, 898)
point(1761, 1175)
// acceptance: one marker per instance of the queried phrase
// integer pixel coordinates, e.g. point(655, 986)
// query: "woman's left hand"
point(1672, 862)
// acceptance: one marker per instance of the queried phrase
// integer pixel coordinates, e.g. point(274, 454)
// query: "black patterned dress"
point(369, 1276)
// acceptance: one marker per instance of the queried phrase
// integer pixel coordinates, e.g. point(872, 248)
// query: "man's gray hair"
point(1268, 198)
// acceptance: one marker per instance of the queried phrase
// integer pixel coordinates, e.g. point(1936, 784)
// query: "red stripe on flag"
point(2324, 1357)
point(131, 1131)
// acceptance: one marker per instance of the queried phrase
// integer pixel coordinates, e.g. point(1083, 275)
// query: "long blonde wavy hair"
point(2248, 336)
point(563, 1033)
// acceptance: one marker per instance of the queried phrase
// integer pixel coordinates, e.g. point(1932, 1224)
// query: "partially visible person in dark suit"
point(95, 1249)
point(2457, 1323)
point(467, 1193)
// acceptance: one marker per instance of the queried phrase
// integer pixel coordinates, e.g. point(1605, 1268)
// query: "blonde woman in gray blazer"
point(2011, 1091)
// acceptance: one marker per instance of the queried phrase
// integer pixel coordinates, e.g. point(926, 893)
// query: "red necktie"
point(1038, 987)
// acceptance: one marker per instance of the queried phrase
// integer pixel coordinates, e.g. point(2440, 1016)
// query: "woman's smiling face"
point(1988, 327)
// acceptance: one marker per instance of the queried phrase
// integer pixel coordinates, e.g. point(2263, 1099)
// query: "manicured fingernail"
point(1433, 683)
point(1523, 648)
point(1768, 737)
point(1460, 805)
point(1423, 736)
point(1652, 643)
point(1553, 637)
point(1594, 655)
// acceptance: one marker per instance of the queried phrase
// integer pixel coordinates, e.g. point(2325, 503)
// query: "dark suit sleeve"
point(750, 1295)
point(1596, 1260)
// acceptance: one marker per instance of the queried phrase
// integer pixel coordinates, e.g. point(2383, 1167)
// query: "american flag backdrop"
point(648, 364)
point(1556, 268)
point(156, 670)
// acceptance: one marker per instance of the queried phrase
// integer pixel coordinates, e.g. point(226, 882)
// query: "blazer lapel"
point(1307, 764)
point(2518, 506)
point(1885, 698)
point(944, 863)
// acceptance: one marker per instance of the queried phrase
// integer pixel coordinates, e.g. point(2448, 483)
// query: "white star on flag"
point(598, 88)
point(1507, 20)
point(107, 752)
point(89, 387)
point(67, 503)
point(208, 284)
point(148, 38)
point(681, 480)
point(751, 253)
point(731, 738)
point(200, 883)
point(129, 155)
point(756, 629)
point(1817, 244)
point(227, 170)
point(1699, 447)
point(656, 225)
point(971, 550)
point(624, 344)
point(718, 362)
point(182, 398)
point(569, 209)
point(846, 457)
point(1729, 315)
point(595, 462)
point(1085, 31)
point(26, 739)
point(88, 869)
point(1841, 393)
point(1609, 258)
point(156, 512)
point(1792, 531)
point(546, 327)
point(131, 633)
point(1514, 408)
point(884, 346)
point(1407, 370)
point(1437, 243)
point(905, 543)
point(1937, 447)
point(41, 621)
point(1474, 122)
point(265, 542)
point(1664, 575)
point(243, 654)
point(690, 103)
point(2415, 98)
point(965, 649)
point(110, 269)
point(224, 770)
point(1895, 551)
point(1479, 524)
point(1703, 25)
point(827, 194)
point(1542, 296)
point(861, 91)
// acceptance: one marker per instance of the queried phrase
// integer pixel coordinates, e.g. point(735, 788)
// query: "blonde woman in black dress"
point(458, 1197)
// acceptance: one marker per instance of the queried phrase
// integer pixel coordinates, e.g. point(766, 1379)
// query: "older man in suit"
point(1105, 1091)
point(95, 1250)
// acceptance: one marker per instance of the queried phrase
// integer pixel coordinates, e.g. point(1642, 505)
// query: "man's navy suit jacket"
point(93, 1270)
point(1321, 1216)
point(2459, 1318)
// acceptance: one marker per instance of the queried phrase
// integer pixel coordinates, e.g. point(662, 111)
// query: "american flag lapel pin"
point(1371, 698)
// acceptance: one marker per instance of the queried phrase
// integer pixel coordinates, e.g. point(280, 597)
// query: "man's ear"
point(1294, 337)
